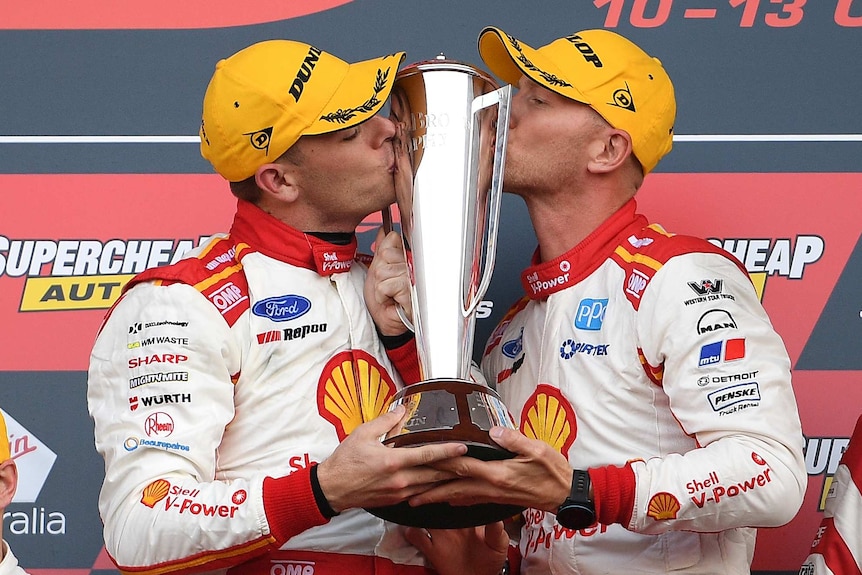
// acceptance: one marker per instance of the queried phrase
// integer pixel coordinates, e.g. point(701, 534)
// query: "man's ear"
point(277, 182)
point(8, 482)
point(615, 149)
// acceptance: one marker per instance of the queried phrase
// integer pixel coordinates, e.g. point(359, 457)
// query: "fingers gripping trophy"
point(452, 125)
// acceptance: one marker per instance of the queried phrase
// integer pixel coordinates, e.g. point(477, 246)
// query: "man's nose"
point(385, 127)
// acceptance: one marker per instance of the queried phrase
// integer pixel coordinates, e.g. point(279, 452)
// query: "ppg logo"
point(591, 314)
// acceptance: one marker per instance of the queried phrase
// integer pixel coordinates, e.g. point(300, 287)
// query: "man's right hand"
point(387, 285)
point(362, 472)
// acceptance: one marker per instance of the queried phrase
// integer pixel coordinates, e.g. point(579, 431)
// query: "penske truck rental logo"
point(77, 274)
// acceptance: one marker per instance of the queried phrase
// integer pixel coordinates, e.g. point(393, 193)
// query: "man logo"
point(715, 320)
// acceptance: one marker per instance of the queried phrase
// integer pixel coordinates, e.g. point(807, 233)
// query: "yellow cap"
point(262, 99)
point(4, 440)
point(600, 68)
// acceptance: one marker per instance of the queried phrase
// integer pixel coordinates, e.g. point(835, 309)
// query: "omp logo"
point(291, 567)
point(636, 283)
point(822, 456)
point(81, 274)
point(786, 257)
point(153, 14)
point(227, 297)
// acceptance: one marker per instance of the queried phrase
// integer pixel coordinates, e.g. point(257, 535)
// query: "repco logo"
point(304, 73)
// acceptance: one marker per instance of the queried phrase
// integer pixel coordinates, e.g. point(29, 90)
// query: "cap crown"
point(262, 99)
point(630, 89)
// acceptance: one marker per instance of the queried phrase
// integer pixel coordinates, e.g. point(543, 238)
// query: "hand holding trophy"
point(452, 124)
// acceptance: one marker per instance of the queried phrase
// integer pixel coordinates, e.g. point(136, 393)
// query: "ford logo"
point(513, 347)
point(282, 308)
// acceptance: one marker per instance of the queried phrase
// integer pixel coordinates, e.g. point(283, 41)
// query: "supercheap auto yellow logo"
point(77, 274)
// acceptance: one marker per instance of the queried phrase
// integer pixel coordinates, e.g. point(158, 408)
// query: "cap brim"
point(361, 94)
point(509, 58)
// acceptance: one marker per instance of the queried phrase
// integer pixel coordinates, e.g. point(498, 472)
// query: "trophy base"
point(443, 411)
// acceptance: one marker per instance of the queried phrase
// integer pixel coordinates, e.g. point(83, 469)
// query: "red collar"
point(542, 279)
point(273, 238)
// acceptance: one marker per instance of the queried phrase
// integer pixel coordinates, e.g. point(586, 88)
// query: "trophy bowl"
point(444, 411)
point(450, 149)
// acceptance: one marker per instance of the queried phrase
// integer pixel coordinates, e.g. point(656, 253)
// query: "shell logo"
point(663, 506)
point(548, 416)
point(155, 492)
point(353, 388)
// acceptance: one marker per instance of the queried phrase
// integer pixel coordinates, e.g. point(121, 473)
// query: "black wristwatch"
point(578, 511)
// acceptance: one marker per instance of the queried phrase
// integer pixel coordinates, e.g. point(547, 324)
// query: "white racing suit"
point(648, 359)
point(837, 546)
point(215, 384)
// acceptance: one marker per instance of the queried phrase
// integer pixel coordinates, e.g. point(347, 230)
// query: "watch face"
point(576, 515)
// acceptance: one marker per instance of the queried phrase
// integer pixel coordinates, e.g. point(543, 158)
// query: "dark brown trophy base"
point(450, 411)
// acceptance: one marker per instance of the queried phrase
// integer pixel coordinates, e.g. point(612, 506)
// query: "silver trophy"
point(452, 125)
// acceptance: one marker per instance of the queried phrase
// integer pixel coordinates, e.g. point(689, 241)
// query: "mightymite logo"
point(79, 274)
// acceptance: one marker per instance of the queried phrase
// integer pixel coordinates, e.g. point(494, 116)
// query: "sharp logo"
point(81, 274)
point(786, 257)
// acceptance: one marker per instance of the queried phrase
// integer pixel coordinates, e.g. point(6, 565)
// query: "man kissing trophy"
point(452, 124)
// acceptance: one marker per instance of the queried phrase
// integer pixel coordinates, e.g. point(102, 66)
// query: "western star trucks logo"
point(75, 274)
